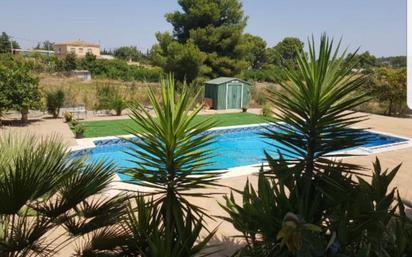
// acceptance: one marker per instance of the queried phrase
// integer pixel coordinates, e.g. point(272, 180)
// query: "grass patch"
point(119, 127)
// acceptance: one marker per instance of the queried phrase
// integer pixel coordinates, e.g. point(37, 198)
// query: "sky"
point(377, 26)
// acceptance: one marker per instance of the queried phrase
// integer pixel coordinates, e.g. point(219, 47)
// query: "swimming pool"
point(234, 147)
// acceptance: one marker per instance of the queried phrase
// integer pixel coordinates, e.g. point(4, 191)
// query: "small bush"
point(267, 110)
point(110, 98)
point(68, 116)
point(118, 104)
point(55, 100)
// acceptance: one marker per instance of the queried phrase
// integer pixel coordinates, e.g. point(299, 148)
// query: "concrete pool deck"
point(389, 159)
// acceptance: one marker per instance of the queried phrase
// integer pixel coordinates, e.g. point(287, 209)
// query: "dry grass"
point(258, 93)
point(79, 92)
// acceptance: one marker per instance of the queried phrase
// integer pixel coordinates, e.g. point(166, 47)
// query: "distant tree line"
point(7, 43)
point(203, 45)
point(111, 69)
point(46, 45)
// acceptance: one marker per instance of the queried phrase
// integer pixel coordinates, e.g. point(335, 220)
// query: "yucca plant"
point(48, 198)
point(306, 176)
point(312, 122)
point(171, 155)
point(142, 233)
point(313, 111)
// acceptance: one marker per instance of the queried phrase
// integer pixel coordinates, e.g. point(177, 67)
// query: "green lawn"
point(119, 127)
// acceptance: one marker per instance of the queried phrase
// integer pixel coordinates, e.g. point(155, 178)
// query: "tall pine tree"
point(212, 27)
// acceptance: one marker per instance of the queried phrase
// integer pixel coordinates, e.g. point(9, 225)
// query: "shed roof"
point(222, 80)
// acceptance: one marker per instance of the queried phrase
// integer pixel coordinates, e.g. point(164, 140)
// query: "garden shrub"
point(110, 98)
point(119, 69)
point(267, 110)
point(54, 101)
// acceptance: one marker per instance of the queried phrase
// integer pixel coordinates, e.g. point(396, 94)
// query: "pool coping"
point(88, 143)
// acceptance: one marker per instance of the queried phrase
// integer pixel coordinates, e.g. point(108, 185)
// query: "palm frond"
point(42, 189)
point(313, 113)
point(171, 152)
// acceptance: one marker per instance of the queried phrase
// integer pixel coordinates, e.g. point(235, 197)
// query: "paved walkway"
point(42, 127)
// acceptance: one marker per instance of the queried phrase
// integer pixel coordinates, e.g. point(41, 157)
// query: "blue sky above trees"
point(375, 25)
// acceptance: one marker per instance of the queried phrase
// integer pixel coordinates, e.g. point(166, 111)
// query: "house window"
point(73, 50)
point(89, 50)
point(80, 50)
point(59, 50)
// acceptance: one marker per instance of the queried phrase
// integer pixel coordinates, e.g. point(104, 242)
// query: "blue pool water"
point(234, 147)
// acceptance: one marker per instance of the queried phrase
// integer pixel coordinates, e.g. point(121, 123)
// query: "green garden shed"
point(227, 93)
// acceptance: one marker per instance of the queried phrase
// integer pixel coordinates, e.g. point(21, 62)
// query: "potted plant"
point(77, 128)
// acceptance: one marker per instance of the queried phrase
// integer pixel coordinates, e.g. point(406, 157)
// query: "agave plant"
point(48, 198)
point(263, 219)
point(171, 155)
point(373, 216)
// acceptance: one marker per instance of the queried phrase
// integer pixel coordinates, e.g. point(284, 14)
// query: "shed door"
point(234, 96)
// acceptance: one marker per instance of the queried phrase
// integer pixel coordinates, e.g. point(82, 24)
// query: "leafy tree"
point(106, 51)
point(365, 61)
point(20, 87)
point(253, 48)
point(50, 199)
point(6, 43)
point(54, 101)
point(128, 53)
point(285, 52)
point(389, 87)
point(88, 63)
point(185, 61)
point(70, 62)
point(215, 28)
point(46, 45)
point(5, 101)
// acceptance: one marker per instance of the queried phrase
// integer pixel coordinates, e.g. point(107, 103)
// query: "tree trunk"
point(24, 114)
point(56, 113)
point(390, 107)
